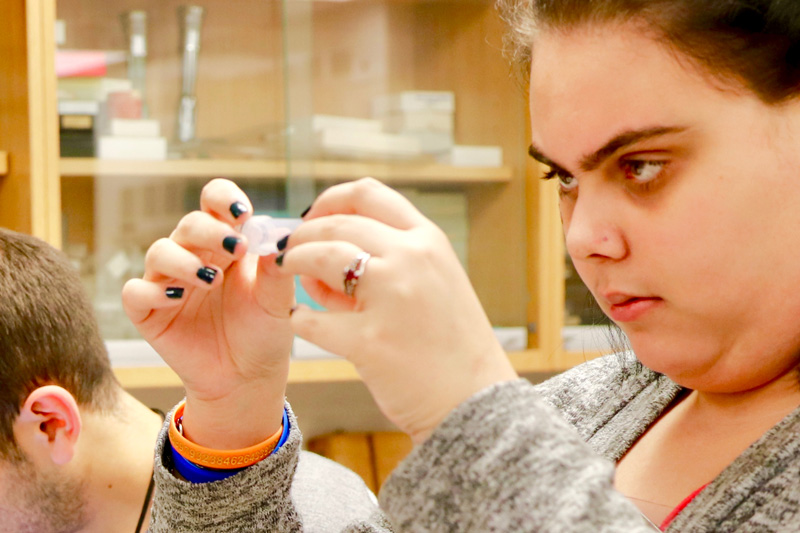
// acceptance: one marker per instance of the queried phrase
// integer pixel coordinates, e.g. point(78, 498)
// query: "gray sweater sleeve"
point(287, 492)
point(505, 460)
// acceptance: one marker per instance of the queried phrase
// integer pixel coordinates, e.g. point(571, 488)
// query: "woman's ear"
point(49, 424)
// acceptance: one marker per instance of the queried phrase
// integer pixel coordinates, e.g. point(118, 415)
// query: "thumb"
point(274, 289)
point(337, 332)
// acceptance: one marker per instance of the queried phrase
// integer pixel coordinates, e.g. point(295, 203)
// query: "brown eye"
point(643, 171)
point(566, 181)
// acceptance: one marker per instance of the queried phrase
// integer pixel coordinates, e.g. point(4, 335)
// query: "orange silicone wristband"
point(219, 459)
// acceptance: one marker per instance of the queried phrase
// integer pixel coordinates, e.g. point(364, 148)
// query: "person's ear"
point(49, 423)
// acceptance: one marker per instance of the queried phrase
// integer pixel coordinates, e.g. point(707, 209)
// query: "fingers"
point(274, 288)
point(330, 298)
point(225, 201)
point(140, 298)
point(199, 231)
point(365, 233)
point(370, 198)
point(325, 262)
point(167, 260)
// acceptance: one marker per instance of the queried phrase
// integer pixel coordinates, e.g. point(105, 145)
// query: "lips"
point(627, 308)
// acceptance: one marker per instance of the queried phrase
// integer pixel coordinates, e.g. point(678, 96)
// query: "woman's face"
point(680, 200)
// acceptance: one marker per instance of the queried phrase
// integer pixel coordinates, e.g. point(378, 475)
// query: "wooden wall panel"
point(15, 203)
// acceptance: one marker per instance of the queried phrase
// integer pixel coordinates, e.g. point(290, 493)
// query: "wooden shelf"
point(304, 371)
point(278, 169)
point(3, 163)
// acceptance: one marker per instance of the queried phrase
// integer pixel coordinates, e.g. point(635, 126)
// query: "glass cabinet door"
point(286, 98)
point(156, 98)
point(417, 94)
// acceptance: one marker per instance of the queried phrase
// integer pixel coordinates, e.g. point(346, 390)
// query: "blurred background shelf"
point(330, 370)
point(279, 169)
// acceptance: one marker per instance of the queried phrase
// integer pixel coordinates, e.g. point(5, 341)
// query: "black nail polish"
point(279, 260)
point(230, 242)
point(281, 244)
point(238, 209)
point(304, 213)
point(207, 274)
point(174, 293)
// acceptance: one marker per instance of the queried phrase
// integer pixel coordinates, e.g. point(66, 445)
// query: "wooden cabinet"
point(266, 69)
point(29, 187)
point(372, 456)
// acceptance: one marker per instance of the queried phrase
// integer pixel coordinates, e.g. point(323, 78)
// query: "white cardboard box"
point(323, 122)
point(473, 156)
point(78, 107)
point(130, 127)
point(433, 142)
point(91, 88)
point(131, 148)
point(429, 121)
point(586, 338)
point(362, 145)
point(138, 353)
point(414, 101)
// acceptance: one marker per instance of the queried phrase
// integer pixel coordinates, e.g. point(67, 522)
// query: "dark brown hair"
point(752, 44)
point(48, 333)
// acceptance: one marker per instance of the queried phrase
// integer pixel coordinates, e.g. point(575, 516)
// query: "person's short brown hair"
point(48, 333)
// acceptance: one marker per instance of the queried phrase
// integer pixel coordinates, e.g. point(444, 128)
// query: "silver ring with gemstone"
point(354, 271)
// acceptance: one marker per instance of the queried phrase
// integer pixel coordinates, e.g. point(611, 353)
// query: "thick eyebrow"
point(543, 159)
point(591, 161)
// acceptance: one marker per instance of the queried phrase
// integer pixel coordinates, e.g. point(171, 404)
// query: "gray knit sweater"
point(513, 458)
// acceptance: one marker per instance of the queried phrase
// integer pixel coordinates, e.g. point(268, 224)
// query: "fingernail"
point(281, 244)
point(230, 242)
point(279, 260)
point(207, 274)
point(304, 213)
point(174, 293)
point(238, 209)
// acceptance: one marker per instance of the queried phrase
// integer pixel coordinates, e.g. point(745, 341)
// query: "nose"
point(591, 228)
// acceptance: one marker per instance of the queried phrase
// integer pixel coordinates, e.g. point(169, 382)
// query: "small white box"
point(586, 339)
point(323, 122)
point(131, 148)
point(132, 127)
point(431, 121)
point(132, 353)
point(433, 142)
point(362, 145)
point(302, 349)
point(91, 88)
point(78, 107)
point(414, 101)
point(473, 156)
point(512, 338)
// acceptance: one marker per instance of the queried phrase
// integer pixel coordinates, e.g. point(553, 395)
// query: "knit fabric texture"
point(514, 457)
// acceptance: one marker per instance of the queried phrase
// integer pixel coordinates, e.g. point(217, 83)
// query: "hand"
point(414, 329)
point(228, 336)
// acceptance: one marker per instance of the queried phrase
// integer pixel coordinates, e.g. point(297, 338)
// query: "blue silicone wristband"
point(285, 434)
point(196, 473)
point(200, 474)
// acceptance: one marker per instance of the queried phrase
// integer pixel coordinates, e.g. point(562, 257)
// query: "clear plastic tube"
point(263, 232)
